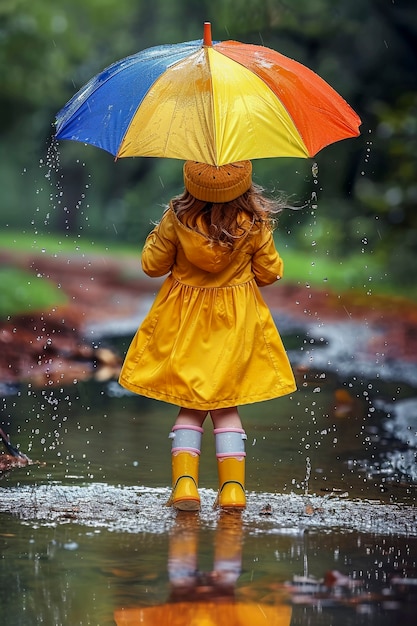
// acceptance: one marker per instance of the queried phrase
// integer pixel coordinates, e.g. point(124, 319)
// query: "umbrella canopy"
point(216, 103)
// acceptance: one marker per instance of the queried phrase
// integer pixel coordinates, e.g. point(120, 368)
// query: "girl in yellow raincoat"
point(209, 342)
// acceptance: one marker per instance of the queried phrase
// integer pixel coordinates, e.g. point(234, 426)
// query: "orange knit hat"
point(217, 184)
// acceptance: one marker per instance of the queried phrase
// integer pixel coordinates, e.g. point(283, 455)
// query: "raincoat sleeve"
point(267, 264)
point(160, 249)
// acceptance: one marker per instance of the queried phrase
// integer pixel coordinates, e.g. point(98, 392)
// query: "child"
point(209, 343)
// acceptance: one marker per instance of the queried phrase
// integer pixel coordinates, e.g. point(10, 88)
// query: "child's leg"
point(191, 417)
point(230, 452)
point(226, 418)
point(186, 444)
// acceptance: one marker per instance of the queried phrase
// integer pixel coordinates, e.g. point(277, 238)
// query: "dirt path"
point(50, 347)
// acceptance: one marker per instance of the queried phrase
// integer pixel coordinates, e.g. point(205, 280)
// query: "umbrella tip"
point(207, 35)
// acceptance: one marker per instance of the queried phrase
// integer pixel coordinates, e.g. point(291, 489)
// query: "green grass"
point(23, 292)
point(55, 244)
point(359, 272)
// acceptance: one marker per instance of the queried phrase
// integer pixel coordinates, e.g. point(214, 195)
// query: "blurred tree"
point(46, 50)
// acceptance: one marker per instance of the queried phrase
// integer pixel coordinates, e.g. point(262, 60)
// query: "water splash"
point(98, 505)
point(307, 476)
point(315, 173)
point(60, 205)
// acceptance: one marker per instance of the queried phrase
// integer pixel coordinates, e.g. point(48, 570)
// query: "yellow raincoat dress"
point(209, 340)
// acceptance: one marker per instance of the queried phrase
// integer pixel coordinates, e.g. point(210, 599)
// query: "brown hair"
point(226, 222)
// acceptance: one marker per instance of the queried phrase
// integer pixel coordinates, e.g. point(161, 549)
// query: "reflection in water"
point(207, 598)
point(290, 595)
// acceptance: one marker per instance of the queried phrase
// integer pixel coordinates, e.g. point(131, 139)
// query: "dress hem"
point(208, 406)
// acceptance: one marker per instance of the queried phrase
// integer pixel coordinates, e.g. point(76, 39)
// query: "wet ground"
point(329, 536)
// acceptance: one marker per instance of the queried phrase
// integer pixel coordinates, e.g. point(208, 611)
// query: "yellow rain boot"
point(230, 453)
point(231, 483)
point(184, 494)
point(186, 446)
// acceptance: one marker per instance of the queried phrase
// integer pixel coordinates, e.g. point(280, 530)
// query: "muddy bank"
point(59, 345)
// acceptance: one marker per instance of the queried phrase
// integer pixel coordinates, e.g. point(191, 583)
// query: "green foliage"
point(43, 42)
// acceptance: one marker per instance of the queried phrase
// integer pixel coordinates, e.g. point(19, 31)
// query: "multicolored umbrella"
point(216, 103)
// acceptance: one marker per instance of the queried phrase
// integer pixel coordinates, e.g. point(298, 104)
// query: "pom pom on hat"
point(217, 184)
